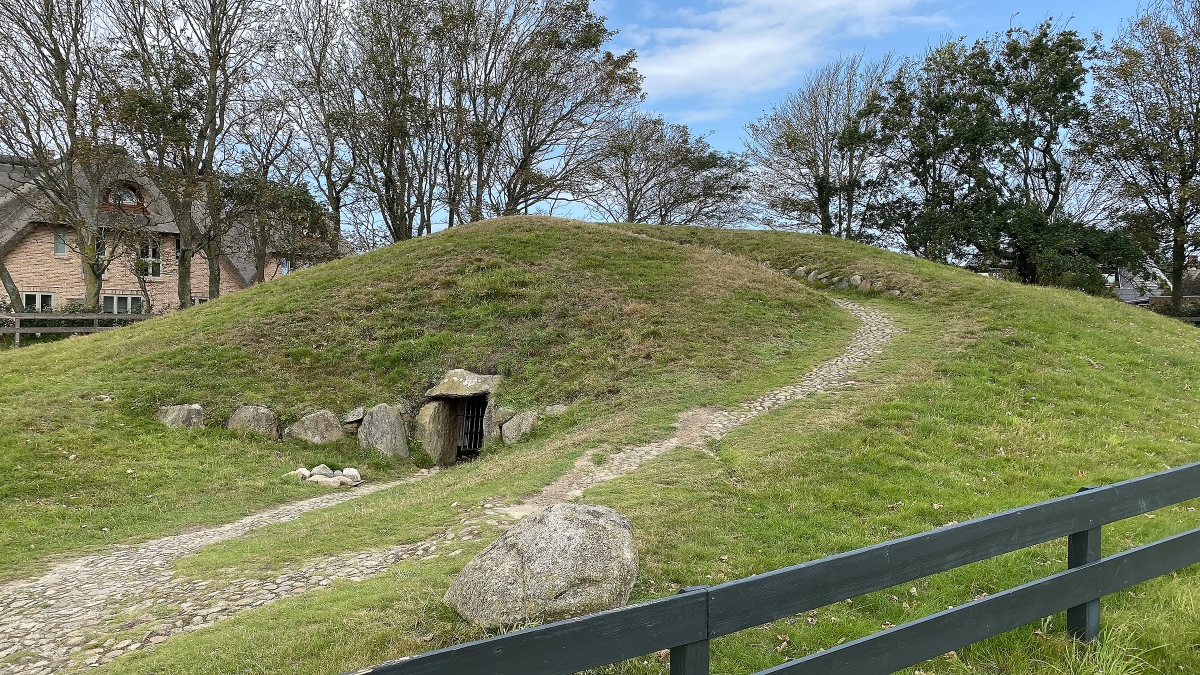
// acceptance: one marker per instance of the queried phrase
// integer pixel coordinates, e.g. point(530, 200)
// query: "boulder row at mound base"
point(255, 419)
point(319, 427)
point(563, 561)
point(185, 416)
point(383, 428)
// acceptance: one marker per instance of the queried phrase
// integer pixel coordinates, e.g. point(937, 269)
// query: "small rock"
point(186, 416)
point(352, 474)
point(321, 470)
point(355, 415)
point(316, 428)
point(893, 292)
point(104, 398)
point(345, 480)
point(254, 419)
point(337, 472)
point(301, 473)
point(555, 410)
point(855, 280)
point(812, 276)
point(824, 275)
point(801, 271)
point(864, 285)
point(520, 425)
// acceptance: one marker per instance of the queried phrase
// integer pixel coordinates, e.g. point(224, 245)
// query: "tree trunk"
point(214, 274)
point(1178, 242)
point(14, 293)
point(185, 277)
point(92, 282)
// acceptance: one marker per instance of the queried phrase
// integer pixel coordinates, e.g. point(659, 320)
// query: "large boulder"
point(255, 419)
point(186, 416)
point(516, 428)
point(494, 417)
point(563, 561)
point(435, 431)
point(383, 429)
point(316, 428)
point(459, 383)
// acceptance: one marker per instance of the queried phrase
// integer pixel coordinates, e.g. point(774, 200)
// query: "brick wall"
point(35, 268)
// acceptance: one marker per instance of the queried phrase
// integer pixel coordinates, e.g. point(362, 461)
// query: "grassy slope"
point(566, 311)
point(998, 395)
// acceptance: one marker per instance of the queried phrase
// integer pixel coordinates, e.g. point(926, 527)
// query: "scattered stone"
point(562, 561)
point(321, 470)
point(186, 416)
point(432, 422)
point(255, 419)
point(855, 280)
point(344, 480)
point(520, 425)
point(301, 473)
point(801, 271)
point(812, 276)
point(316, 428)
point(104, 398)
point(352, 474)
point(555, 410)
point(459, 383)
point(824, 275)
point(835, 281)
point(864, 285)
point(893, 292)
point(383, 429)
point(355, 415)
point(326, 481)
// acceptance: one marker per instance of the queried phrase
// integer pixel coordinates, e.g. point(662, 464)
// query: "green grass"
point(994, 396)
point(567, 312)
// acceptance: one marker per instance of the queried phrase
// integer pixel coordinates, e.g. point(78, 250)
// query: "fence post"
point(692, 658)
point(17, 335)
point(1083, 621)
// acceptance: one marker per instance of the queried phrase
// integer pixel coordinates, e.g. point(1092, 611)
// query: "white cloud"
point(743, 47)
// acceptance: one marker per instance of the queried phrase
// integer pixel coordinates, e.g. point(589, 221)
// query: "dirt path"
point(49, 624)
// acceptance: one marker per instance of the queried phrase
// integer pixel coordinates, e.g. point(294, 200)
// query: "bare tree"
point(54, 123)
point(314, 65)
point(649, 171)
point(804, 177)
point(186, 63)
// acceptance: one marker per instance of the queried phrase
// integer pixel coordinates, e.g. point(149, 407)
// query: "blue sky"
point(717, 64)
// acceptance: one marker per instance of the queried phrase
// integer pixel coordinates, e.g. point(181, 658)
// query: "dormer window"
point(123, 196)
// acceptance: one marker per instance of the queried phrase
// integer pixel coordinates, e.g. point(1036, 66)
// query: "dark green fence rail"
point(685, 623)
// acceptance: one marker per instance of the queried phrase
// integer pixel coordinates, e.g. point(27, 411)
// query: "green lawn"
point(994, 396)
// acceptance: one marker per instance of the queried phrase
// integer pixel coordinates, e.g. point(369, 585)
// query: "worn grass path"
point(65, 618)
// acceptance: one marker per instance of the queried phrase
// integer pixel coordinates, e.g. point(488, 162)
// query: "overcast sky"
point(717, 64)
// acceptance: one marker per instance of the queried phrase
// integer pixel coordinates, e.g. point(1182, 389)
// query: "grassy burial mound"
point(625, 328)
point(993, 396)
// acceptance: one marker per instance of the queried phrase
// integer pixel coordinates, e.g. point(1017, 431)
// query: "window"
point(39, 302)
point(198, 300)
point(123, 195)
point(1112, 279)
point(60, 242)
point(150, 258)
point(121, 304)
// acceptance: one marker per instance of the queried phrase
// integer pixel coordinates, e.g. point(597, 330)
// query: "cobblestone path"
point(61, 619)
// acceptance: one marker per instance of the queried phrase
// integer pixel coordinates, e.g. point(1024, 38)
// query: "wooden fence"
point(36, 323)
point(686, 622)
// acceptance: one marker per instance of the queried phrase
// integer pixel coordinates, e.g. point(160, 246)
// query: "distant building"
point(46, 266)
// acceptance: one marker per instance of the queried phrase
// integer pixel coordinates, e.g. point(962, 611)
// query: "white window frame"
point(146, 252)
point(115, 301)
point(122, 190)
point(60, 237)
point(39, 300)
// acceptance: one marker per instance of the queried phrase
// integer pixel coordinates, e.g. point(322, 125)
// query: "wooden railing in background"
point(27, 323)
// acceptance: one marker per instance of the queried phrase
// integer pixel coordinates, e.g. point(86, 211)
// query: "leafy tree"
point(649, 171)
point(977, 161)
point(1145, 130)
